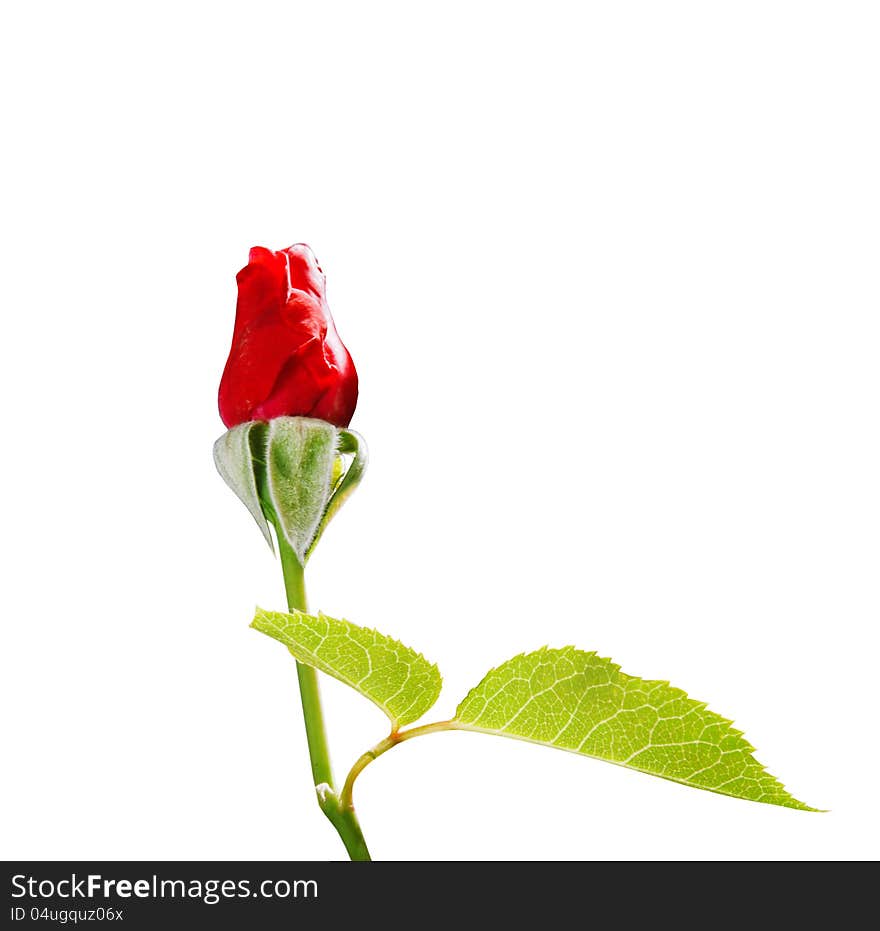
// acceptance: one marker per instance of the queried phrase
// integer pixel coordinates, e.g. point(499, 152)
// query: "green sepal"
point(292, 472)
point(347, 474)
point(299, 472)
point(234, 458)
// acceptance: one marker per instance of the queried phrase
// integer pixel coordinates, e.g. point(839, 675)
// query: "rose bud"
point(286, 356)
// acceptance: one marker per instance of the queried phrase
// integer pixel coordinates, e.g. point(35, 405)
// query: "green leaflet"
point(397, 679)
point(579, 702)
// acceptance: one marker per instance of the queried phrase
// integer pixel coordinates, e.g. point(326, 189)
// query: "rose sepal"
point(292, 472)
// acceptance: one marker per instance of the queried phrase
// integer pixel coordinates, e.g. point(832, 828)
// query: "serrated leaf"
point(580, 702)
point(394, 677)
point(234, 461)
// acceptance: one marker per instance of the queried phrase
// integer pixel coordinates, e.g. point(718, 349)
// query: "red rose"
point(286, 358)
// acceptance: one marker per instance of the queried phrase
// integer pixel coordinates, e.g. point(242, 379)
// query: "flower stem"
point(343, 819)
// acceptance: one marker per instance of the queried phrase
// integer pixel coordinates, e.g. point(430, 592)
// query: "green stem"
point(346, 824)
point(343, 819)
point(392, 740)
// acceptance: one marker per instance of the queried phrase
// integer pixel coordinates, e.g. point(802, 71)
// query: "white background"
point(609, 274)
